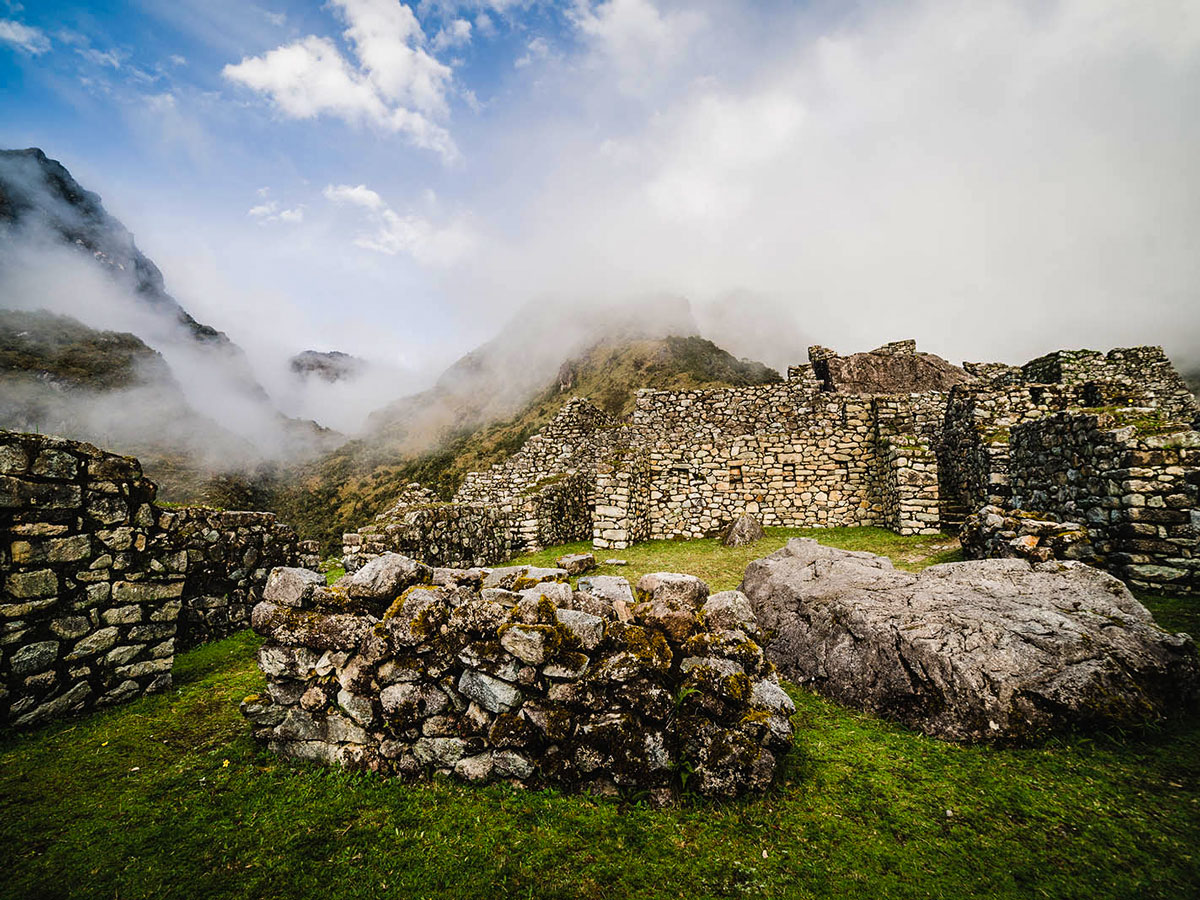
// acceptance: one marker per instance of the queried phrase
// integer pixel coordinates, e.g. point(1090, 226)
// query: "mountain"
point(353, 483)
point(128, 366)
point(331, 366)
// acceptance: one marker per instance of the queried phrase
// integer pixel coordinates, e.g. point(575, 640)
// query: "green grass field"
point(168, 797)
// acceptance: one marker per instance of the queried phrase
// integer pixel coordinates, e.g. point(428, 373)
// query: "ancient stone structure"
point(1110, 445)
point(988, 650)
point(518, 677)
point(101, 586)
point(893, 438)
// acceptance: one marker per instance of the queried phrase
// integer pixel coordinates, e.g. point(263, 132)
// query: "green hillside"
point(351, 485)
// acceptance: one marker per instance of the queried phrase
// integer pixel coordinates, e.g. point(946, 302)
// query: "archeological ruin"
point(514, 675)
point(102, 586)
point(1103, 444)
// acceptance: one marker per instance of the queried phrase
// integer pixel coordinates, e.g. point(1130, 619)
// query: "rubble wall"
point(543, 685)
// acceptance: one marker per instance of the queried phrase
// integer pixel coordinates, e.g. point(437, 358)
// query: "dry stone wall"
point(522, 679)
point(1137, 494)
point(100, 585)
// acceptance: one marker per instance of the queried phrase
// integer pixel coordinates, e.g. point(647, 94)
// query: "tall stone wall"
point(621, 516)
point(101, 586)
point(1138, 494)
point(92, 593)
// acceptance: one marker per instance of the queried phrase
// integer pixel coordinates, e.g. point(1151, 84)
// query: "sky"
point(996, 179)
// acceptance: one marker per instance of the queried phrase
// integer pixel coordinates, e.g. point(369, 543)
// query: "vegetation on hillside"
point(358, 480)
point(169, 797)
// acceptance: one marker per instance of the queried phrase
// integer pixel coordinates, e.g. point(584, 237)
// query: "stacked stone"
point(621, 516)
point(229, 556)
point(1138, 494)
point(446, 534)
point(996, 533)
point(910, 489)
point(511, 675)
point(91, 591)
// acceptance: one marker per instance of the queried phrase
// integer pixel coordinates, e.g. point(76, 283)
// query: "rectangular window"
point(789, 472)
point(735, 475)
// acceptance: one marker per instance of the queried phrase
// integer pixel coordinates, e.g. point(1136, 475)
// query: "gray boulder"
point(577, 563)
point(386, 577)
point(1000, 650)
point(293, 587)
point(743, 531)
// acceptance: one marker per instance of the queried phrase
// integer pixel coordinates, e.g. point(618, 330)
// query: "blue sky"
point(396, 180)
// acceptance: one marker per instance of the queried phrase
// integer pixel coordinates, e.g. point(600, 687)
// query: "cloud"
point(271, 212)
point(396, 86)
point(410, 234)
point(455, 34)
point(634, 36)
point(537, 48)
point(24, 37)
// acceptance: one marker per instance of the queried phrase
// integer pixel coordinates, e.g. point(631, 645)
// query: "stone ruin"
point(892, 438)
point(509, 674)
point(101, 586)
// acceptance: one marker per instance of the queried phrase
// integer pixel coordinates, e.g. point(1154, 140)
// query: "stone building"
point(892, 438)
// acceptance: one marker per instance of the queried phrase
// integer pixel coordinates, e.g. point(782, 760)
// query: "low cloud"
point(408, 233)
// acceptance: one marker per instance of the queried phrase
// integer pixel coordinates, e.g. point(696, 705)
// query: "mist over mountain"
point(94, 347)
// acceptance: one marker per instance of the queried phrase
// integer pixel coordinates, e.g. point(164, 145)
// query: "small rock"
point(577, 563)
point(743, 531)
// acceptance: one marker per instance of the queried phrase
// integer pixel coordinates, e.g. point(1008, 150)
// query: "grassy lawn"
point(168, 797)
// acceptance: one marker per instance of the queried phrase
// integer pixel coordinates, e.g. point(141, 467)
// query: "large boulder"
point(743, 531)
point(1001, 649)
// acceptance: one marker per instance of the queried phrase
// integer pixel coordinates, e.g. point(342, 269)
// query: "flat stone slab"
point(988, 650)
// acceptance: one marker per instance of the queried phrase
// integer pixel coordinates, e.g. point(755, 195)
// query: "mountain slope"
point(356, 481)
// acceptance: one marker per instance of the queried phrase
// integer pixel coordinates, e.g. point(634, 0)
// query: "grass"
point(168, 797)
point(722, 567)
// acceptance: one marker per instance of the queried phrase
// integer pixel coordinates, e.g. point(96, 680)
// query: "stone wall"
point(621, 516)
point(442, 534)
point(229, 556)
point(91, 592)
point(1138, 494)
point(582, 689)
point(910, 488)
point(101, 586)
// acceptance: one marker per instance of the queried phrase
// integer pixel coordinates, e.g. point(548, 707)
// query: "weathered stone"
point(589, 629)
point(742, 531)
point(96, 642)
point(671, 602)
point(491, 693)
point(612, 588)
point(576, 563)
point(386, 577)
point(289, 586)
point(527, 644)
point(729, 610)
point(987, 650)
point(34, 658)
point(23, 585)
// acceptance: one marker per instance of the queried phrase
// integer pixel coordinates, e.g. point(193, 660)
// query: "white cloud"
point(397, 86)
point(271, 212)
point(24, 37)
point(634, 37)
point(456, 34)
point(411, 234)
point(360, 195)
point(538, 48)
point(108, 58)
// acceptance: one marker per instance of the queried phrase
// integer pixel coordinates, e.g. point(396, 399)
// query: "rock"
point(576, 563)
point(612, 588)
point(526, 644)
point(491, 693)
point(292, 587)
point(743, 531)
point(588, 628)
point(672, 602)
point(386, 577)
point(1000, 650)
point(729, 610)
point(34, 658)
point(616, 562)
